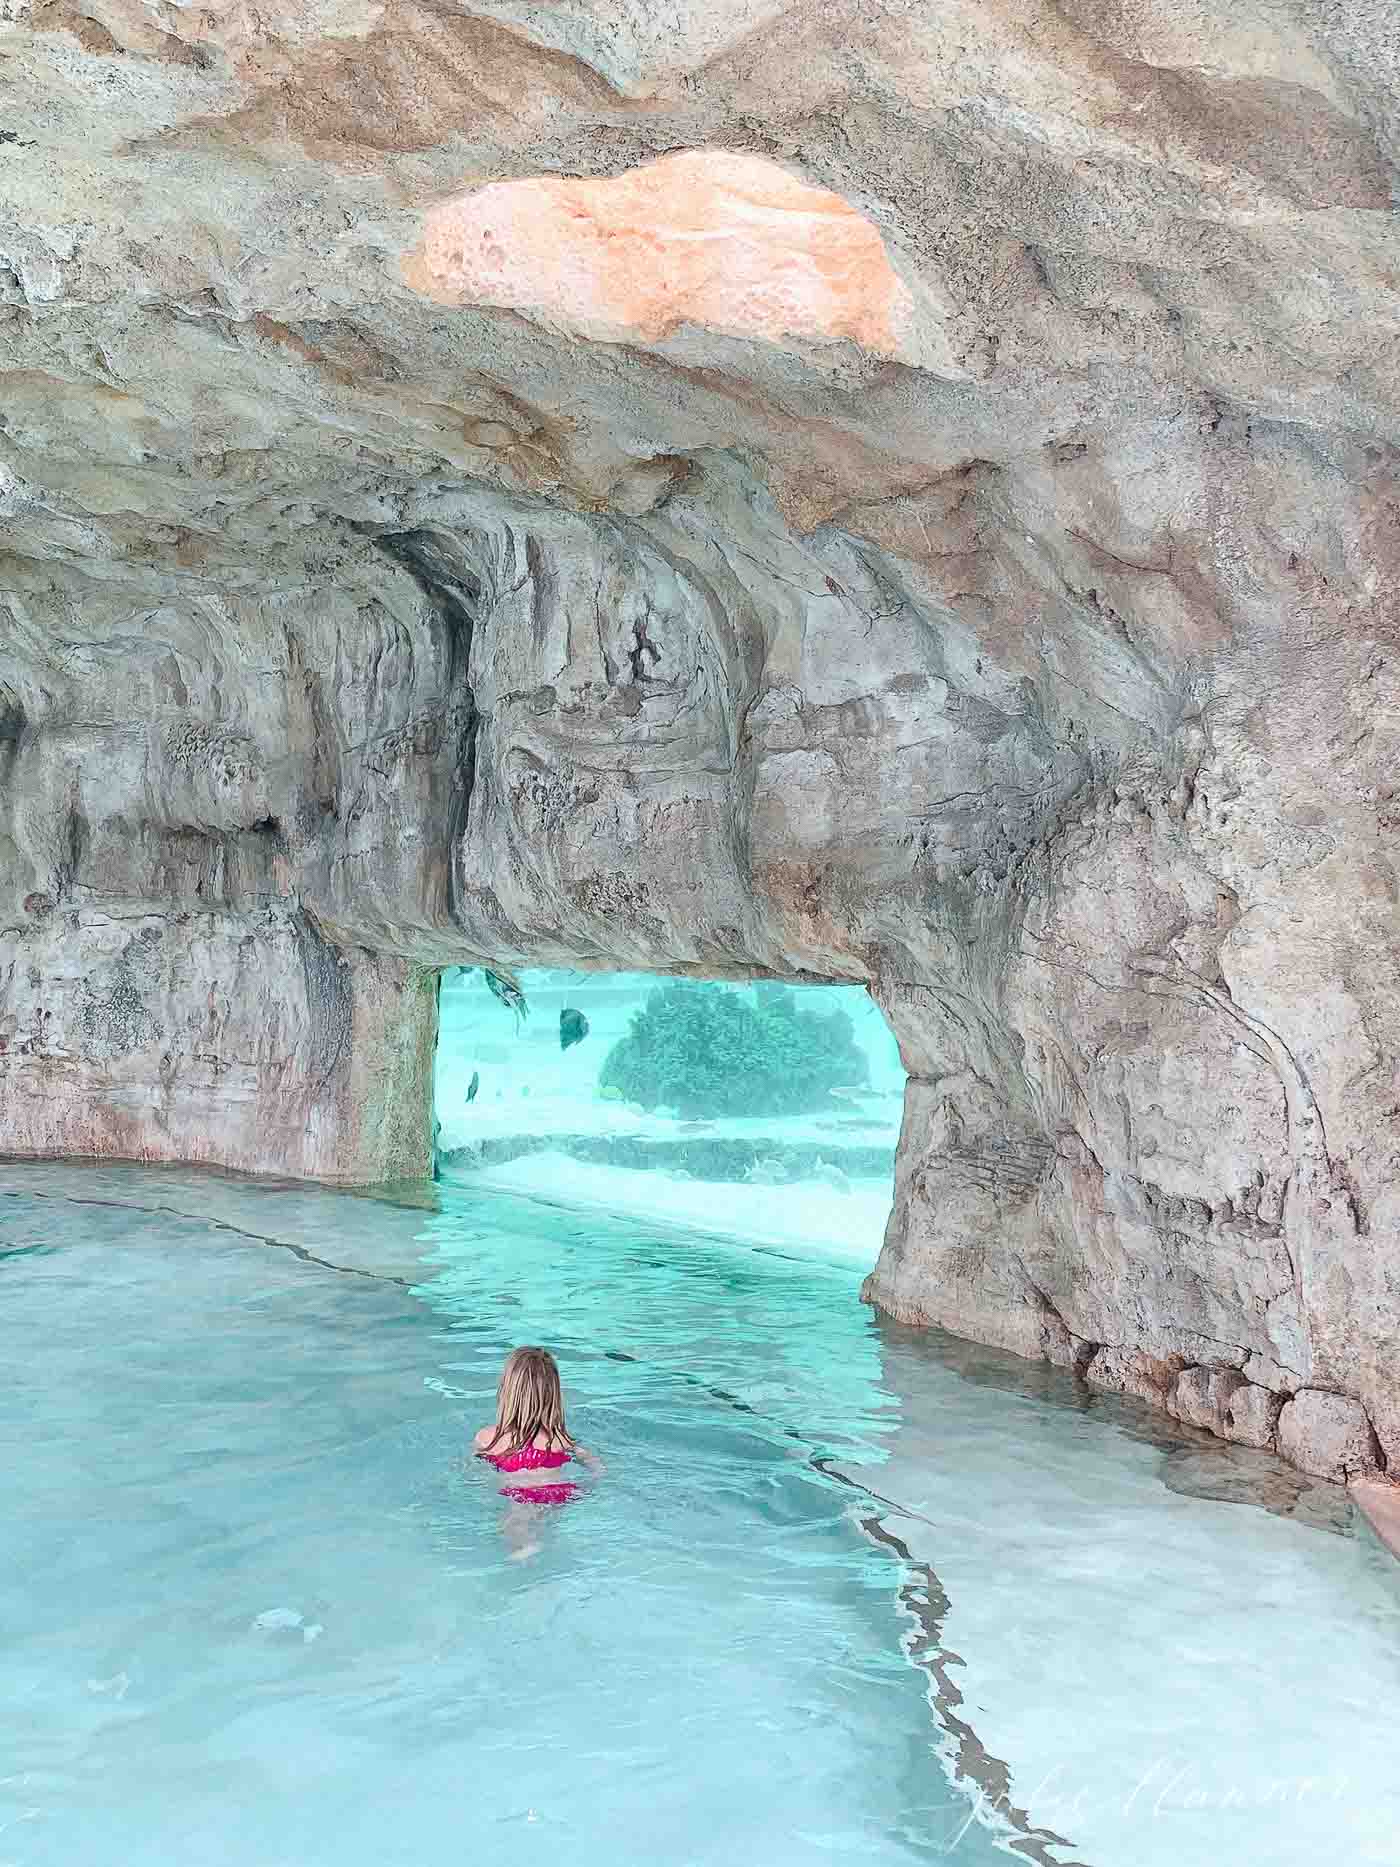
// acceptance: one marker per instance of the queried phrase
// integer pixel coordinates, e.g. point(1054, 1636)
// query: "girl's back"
point(532, 1464)
point(529, 1442)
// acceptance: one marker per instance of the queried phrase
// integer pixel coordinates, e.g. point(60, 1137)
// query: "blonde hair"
point(529, 1403)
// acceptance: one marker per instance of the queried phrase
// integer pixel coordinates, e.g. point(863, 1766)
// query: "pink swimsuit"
point(532, 1459)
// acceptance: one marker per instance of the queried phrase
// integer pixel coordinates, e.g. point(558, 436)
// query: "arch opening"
point(758, 1110)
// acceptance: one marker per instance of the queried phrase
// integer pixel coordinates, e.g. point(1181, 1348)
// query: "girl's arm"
point(589, 1461)
point(483, 1438)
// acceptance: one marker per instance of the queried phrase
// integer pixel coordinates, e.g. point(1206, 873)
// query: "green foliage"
point(706, 1050)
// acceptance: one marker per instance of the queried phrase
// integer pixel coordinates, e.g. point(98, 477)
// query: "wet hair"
point(529, 1403)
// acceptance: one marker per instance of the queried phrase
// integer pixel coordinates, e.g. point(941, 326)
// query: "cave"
point(700, 932)
point(704, 740)
point(527, 492)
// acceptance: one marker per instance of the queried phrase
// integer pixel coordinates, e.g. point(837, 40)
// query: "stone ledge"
point(1380, 1501)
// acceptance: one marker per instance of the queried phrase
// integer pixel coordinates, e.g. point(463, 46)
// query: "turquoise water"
point(528, 1117)
point(845, 1593)
point(526, 1084)
point(258, 1610)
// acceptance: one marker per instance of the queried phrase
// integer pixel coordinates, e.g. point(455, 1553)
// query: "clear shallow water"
point(703, 1663)
point(707, 1660)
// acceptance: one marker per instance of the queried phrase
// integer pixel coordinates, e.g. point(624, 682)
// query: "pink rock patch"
point(708, 237)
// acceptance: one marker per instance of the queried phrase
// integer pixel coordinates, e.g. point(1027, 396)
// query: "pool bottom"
point(265, 1610)
point(722, 1637)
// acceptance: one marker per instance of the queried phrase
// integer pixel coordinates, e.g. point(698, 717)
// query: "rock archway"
point(975, 579)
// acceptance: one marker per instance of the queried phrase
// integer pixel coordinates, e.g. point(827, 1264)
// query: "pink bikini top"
point(527, 1459)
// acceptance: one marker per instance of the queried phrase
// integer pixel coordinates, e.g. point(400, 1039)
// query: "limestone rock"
point(1122, 1371)
point(906, 496)
point(708, 237)
point(1250, 1417)
point(1203, 1396)
point(1223, 1402)
point(1327, 1434)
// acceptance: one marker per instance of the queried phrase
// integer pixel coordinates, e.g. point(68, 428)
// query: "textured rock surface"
point(993, 601)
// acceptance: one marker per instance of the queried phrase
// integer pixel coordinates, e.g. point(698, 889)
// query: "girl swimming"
point(529, 1441)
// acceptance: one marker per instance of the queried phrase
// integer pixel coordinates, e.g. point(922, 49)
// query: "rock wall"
point(868, 492)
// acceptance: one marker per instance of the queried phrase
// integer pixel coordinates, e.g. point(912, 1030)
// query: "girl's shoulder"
point(484, 1437)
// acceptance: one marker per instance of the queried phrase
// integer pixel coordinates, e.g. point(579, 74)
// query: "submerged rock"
point(831, 1176)
point(287, 1622)
point(1233, 1476)
point(573, 1028)
point(278, 1621)
point(768, 1171)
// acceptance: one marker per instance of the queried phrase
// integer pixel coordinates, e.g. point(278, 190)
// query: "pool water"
point(258, 1609)
point(701, 1664)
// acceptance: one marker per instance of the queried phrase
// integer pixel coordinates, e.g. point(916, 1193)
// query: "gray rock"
point(1124, 1371)
point(1222, 1401)
point(1327, 1434)
point(1202, 1396)
point(1251, 1417)
point(1010, 630)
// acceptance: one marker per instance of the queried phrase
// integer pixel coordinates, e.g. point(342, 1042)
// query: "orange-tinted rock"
point(711, 237)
